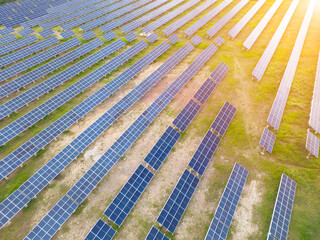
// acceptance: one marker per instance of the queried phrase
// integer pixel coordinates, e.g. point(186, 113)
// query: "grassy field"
point(240, 144)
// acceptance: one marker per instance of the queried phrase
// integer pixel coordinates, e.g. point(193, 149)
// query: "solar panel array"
point(312, 144)
point(101, 167)
point(173, 38)
point(262, 65)
point(186, 115)
point(109, 36)
point(178, 201)
point(132, 15)
point(47, 68)
point(228, 203)
point(152, 37)
point(182, 21)
point(280, 100)
point(25, 32)
point(279, 226)
point(22, 66)
point(7, 39)
point(166, 18)
point(245, 19)
point(219, 41)
point(17, 44)
point(111, 16)
point(146, 18)
point(204, 153)
point(314, 121)
point(267, 140)
point(25, 52)
point(67, 34)
point(196, 40)
point(88, 35)
point(130, 36)
point(122, 204)
point(46, 33)
point(261, 25)
point(223, 120)
point(155, 234)
point(226, 18)
point(101, 231)
point(36, 183)
point(6, 31)
point(205, 19)
point(220, 72)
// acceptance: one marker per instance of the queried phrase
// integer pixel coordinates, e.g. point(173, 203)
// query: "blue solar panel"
point(152, 37)
point(6, 31)
point(279, 226)
point(125, 200)
point(267, 140)
point(196, 40)
point(130, 36)
point(101, 231)
point(178, 201)
point(162, 148)
point(220, 72)
point(205, 91)
point(46, 33)
point(109, 36)
point(17, 44)
point(155, 234)
point(204, 153)
point(186, 115)
point(173, 39)
point(25, 32)
point(88, 35)
point(223, 120)
point(228, 203)
point(7, 39)
point(67, 34)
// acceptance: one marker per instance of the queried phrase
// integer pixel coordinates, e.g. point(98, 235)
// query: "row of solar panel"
point(47, 68)
point(7, 39)
point(90, 179)
point(17, 44)
point(130, 193)
point(25, 52)
point(48, 172)
point(37, 59)
point(24, 122)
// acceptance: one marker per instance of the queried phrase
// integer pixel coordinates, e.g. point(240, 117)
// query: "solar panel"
point(245, 19)
point(272, 46)
point(25, 32)
point(186, 115)
point(315, 104)
point(183, 20)
point(6, 31)
point(278, 106)
point(130, 36)
point(46, 33)
point(173, 39)
point(267, 140)
point(101, 231)
point(101, 167)
point(109, 36)
point(261, 25)
point(222, 121)
point(196, 40)
point(205, 91)
point(219, 41)
point(312, 144)
point(7, 39)
point(67, 34)
point(204, 153)
point(220, 72)
point(161, 149)
point(226, 18)
point(155, 234)
point(152, 37)
point(279, 226)
point(228, 203)
point(17, 44)
point(178, 201)
point(205, 19)
point(88, 35)
point(125, 200)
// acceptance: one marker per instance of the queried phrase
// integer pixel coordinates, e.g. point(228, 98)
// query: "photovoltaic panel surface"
point(178, 201)
point(314, 120)
point(122, 204)
point(217, 230)
point(204, 91)
point(155, 234)
point(279, 226)
point(88, 35)
point(312, 144)
point(196, 40)
point(152, 37)
point(101, 231)
point(204, 153)
point(130, 36)
point(267, 140)
point(173, 38)
point(219, 41)
point(220, 72)
point(222, 121)
point(109, 36)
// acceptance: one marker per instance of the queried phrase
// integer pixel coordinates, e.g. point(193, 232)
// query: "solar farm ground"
point(240, 144)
